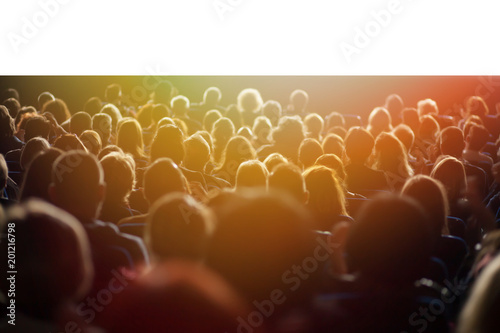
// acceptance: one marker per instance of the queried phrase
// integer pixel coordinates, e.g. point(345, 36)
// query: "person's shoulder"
point(133, 219)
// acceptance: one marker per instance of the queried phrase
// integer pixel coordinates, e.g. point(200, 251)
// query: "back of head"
point(379, 121)
point(79, 122)
point(44, 98)
point(476, 105)
point(92, 141)
point(77, 179)
point(58, 109)
point(411, 118)
point(7, 127)
point(477, 138)
point(119, 176)
point(223, 129)
point(9, 93)
point(68, 142)
point(32, 148)
point(333, 162)
point(259, 237)
point(12, 105)
point(38, 175)
point(389, 243)
point(212, 96)
point(168, 142)
point(112, 111)
point(51, 249)
point(273, 160)
point(251, 173)
point(129, 137)
point(451, 173)
point(451, 141)
point(272, 110)
point(394, 104)
point(427, 107)
point(431, 195)
point(93, 106)
point(158, 112)
point(309, 151)
point(290, 131)
point(36, 126)
point(333, 144)
point(180, 105)
point(358, 144)
point(178, 227)
point(163, 177)
point(429, 128)
point(334, 119)
point(288, 178)
point(405, 134)
point(391, 156)
point(210, 118)
point(197, 153)
point(314, 125)
point(299, 100)
point(113, 92)
point(102, 124)
point(249, 100)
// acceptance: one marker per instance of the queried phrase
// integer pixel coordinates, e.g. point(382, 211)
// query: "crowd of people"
point(175, 216)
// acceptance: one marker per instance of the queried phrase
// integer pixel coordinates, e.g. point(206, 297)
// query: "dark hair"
point(162, 177)
point(38, 176)
point(358, 144)
point(79, 122)
point(13, 106)
point(58, 109)
point(6, 123)
point(37, 126)
point(168, 142)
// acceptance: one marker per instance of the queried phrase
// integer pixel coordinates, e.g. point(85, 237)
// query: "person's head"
point(451, 141)
point(168, 142)
point(162, 177)
point(358, 144)
point(235, 115)
point(476, 106)
point(93, 106)
point(212, 97)
point(9, 93)
point(379, 121)
point(222, 130)
point(78, 184)
point(394, 104)
point(7, 127)
point(210, 118)
point(427, 107)
point(288, 178)
point(37, 126)
point(197, 153)
point(334, 119)
point(68, 142)
point(119, 176)
point(299, 100)
point(451, 173)
point(163, 92)
point(258, 239)
point(180, 105)
point(13, 106)
point(113, 93)
point(112, 111)
point(405, 134)
point(144, 115)
point(388, 243)
point(38, 175)
point(309, 151)
point(158, 112)
point(102, 124)
point(208, 138)
point(4, 173)
point(32, 148)
point(58, 109)
point(289, 133)
point(314, 125)
point(431, 195)
point(44, 98)
point(108, 150)
point(178, 227)
point(326, 196)
point(237, 151)
point(92, 141)
point(480, 311)
point(411, 118)
point(429, 128)
point(251, 173)
point(333, 162)
point(262, 128)
point(273, 160)
point(391, 156)
point(53, 260)
point(489, 249)
point(246, 132)
point(249, 100)
point(478, 137)
point(79, 122)
point(129, 138)
point(272, 110)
